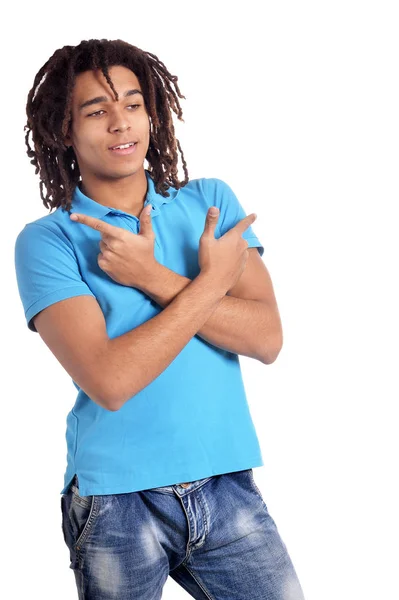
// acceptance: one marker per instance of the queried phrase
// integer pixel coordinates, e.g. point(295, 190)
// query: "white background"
point(295, 106)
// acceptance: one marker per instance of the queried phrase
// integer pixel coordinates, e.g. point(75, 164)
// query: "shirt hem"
point(127, 488)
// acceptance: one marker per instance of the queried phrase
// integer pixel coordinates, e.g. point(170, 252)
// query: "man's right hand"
point(225, 258)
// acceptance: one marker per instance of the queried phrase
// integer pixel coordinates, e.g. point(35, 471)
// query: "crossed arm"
point(246, 321)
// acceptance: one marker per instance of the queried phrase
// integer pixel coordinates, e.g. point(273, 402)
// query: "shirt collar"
point(85, 205)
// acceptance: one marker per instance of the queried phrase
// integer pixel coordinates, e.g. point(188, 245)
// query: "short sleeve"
point(220, 194)
point(46, 270)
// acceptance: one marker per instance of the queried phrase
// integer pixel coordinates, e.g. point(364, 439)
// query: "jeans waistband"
point(167, 489)
point(179, 489)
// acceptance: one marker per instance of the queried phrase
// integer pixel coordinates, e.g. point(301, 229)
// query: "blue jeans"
point(214, 537)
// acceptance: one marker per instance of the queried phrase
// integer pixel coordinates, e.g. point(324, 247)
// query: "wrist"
point(153, 275)
point(213, 282)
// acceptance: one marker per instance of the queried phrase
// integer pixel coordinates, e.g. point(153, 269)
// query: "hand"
point(128, 258)
point(224, 258)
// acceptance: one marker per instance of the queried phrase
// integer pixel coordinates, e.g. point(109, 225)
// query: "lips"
point(123, 151)
point(121, 144)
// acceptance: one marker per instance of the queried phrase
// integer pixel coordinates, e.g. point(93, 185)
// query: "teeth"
point(124, 146)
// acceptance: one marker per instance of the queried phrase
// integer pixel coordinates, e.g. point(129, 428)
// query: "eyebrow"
point(105, 99)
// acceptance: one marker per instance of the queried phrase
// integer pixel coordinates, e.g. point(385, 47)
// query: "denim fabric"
point(214, 537)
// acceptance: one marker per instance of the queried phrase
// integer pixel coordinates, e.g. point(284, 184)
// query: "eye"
point(99, 111)
point(95, 113)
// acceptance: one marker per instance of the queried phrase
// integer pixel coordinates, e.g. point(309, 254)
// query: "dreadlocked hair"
point(49, 115)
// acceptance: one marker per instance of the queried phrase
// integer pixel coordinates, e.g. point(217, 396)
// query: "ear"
point(67, 138)
point(68, 141)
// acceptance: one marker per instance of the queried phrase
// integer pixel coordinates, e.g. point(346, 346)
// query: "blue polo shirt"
point(193, 420)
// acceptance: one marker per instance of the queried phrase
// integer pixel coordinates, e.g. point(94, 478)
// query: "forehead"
point(92, 83)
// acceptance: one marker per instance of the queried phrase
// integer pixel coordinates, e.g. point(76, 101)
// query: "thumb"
point(145, 220)
point(211, 220)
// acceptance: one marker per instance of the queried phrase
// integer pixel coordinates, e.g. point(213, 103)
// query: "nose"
point(119, 121)
point(121, 127)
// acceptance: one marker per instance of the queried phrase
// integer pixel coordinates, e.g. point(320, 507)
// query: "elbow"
point(270, 357)
point(117, 386)
point(111, 406)
point(272, 350)
point(109, 385)
point(114, 399)
point(103, 400)
point(111, 401)
point(104, 396)
point(104, 382)
point(115, 405)
point(94, 389)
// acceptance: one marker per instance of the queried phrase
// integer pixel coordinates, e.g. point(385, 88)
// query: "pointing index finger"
point(242, 225)
point(97, 224)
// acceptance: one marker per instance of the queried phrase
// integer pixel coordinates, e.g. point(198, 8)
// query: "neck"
point(126, 193)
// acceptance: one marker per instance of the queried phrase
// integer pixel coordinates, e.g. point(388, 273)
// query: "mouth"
point(123, 149)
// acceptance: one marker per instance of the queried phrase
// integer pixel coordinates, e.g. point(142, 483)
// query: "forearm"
point(246, 327)
point(136, 358)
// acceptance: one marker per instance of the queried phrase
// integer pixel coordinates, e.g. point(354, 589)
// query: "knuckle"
point(102, 262)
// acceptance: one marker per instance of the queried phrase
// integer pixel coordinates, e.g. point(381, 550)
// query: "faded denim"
point(214, 537)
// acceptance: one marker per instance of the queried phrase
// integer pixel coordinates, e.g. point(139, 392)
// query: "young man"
point(146, 300)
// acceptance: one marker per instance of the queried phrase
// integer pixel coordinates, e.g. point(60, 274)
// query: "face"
point(106, 122)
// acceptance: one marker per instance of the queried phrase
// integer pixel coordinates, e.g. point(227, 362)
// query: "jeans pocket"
point(79, 515)
point(83, 513)
point(254, 487)
point(66, 531)
point(83, 501)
